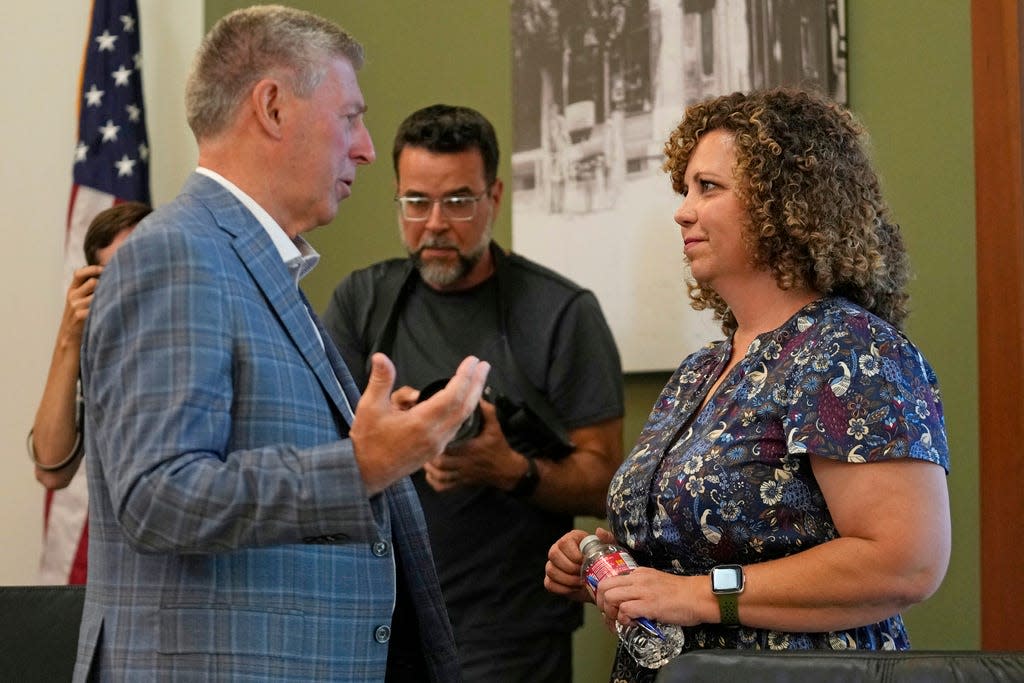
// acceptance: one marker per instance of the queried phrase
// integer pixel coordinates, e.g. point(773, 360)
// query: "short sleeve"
point(585, 380)
point(861, 392)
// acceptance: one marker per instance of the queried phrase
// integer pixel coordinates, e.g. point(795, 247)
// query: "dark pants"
point(547, 659)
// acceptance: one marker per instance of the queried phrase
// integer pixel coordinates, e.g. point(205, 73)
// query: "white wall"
point(40, 56)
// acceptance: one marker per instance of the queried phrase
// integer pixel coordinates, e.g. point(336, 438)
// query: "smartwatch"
point(727, 584)
point(527, 483)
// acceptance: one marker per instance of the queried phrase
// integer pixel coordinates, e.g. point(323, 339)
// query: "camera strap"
point(559, 444)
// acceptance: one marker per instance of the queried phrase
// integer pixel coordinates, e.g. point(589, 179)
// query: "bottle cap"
point(587, 540)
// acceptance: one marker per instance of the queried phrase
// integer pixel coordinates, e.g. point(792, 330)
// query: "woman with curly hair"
point(788, 491)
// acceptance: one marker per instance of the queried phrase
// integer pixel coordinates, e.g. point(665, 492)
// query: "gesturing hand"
point(391, 442)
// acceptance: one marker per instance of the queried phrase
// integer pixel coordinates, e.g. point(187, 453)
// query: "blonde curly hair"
point(817, 216)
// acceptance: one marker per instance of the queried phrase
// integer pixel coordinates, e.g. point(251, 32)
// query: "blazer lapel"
point(259, 256)
point(348, 384)
point(264, 264)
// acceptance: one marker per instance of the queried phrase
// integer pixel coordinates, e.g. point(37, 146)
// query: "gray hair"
point(250, 44)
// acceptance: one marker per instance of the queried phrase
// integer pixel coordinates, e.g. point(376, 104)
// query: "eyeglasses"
point(457, 208)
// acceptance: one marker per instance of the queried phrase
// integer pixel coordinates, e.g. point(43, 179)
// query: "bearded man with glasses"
point(493, 508)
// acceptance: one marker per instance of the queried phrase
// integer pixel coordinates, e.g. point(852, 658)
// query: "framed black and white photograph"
point(598, 87)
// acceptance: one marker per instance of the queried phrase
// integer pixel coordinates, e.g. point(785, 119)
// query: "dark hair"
point(444, 129)
point(817, 216)
point(110, 223)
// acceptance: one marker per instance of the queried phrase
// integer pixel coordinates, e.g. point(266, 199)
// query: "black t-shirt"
point(490, 548)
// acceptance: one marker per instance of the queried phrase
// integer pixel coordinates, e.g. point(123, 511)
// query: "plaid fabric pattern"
point(231, 536)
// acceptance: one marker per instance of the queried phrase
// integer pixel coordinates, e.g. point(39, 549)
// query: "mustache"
point(435, 242)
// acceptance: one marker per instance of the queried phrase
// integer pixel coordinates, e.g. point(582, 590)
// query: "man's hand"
point(485, 460)
point(391, 440)
point(404, 398)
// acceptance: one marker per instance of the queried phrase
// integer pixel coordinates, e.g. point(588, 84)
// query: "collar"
point(298, 255)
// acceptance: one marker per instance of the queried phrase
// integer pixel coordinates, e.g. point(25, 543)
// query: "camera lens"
point(470, 427)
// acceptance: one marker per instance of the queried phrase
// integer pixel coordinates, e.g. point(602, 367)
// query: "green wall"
point(910, 82)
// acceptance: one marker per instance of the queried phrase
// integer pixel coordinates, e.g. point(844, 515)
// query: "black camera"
point(472, 425)
point(532, 431)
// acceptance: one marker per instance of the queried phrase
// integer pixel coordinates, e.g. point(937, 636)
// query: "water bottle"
point(652, 644)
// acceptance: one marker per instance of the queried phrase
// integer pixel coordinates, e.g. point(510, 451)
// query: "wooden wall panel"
point(996, 33)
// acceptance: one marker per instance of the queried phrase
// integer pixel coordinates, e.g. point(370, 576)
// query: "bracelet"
point(76, 452)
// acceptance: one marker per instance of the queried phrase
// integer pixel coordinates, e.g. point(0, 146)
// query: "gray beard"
point(440, 274)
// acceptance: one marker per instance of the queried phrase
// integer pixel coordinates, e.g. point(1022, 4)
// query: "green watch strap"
point(729, 608)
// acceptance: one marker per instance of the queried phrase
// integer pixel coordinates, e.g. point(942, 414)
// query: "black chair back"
point(914, 666)
point(39, 632)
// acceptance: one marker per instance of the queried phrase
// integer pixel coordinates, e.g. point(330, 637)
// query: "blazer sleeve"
point(211, 430)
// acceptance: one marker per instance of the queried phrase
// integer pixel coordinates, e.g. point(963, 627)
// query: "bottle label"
point(612, 564)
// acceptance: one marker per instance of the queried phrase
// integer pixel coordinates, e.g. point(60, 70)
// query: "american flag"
point(111, 165)
point(111, 157)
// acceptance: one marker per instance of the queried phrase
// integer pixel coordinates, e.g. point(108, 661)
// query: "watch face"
point(727, 578)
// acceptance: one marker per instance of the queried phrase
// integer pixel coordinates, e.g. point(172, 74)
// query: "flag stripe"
point(66, 515)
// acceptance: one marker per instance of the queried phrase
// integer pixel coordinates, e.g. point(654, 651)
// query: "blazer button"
point(382, 634)
point(380, 548)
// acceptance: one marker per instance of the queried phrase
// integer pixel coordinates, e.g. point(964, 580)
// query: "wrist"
point(727, 583)
point(69, 342)
point(528, 480)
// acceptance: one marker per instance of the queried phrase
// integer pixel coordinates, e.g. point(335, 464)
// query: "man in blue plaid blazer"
point(244, 524)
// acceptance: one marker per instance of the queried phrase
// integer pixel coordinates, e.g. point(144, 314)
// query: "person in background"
point(493, 502)
point(55, 441)
point(789, 489)
point(251, 516)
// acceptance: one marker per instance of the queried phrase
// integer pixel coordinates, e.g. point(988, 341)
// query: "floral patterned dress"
point(731, 483)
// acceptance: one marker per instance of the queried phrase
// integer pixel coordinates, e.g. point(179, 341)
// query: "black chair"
point(914, 666)
point(39, 632)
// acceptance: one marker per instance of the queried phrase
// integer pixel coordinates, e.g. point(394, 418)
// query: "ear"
point(496, 191)
point(267, 101)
